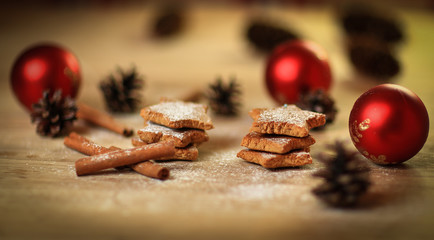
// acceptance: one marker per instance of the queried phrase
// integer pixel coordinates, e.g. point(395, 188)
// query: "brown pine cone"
point(122, 91)
point(319, 101)
point(345, 177)
point(53, 115)
point(265, 36)
point(357, 19)
point(376, 63)
point(224, 99)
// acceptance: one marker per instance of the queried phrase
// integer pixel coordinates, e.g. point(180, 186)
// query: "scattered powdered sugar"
point(178, 110)
point(280, 140)
point(256, 191)
point(155, 128)
point(287, 114)
point(296, 154)
point(94, 146)
point(217, 180)
point(267, 155)
point(301, 153)
point(277, 139)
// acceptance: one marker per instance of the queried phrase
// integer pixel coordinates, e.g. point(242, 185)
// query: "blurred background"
point(107, 34)
point(427, 4)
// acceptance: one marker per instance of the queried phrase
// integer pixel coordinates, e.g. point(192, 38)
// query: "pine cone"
point(122, 91)
point(265, 36)
point(346, 178)
point(53, 115)
point(380, 64)
point(362, 20)
point(320, 102)
point(224, 99)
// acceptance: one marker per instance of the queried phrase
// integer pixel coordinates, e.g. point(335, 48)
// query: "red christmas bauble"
point(44, 67)
point(297, 67)
point(389, 124)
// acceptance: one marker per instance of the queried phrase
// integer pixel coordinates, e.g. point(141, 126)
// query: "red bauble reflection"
point(389, 124)
point(296, 67)
point(44, 67)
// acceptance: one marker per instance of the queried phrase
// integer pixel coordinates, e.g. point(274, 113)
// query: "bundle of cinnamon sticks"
point(138, 159)
point(99, 158)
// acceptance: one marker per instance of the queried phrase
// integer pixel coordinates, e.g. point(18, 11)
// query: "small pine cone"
point(362, 20)
point(376, 63)
point(122, 91)
point(265, 36)
point(53, 115)
point(224, 99)
point(346, 178)
point(320, 102)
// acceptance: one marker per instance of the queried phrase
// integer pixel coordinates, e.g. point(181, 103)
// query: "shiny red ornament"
point(44, 67)
point(297, 67)
point(389, 124)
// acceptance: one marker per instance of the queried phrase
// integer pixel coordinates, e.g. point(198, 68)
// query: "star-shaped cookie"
point(285, 120)
point(275, 143)
point(178, 114)
point(273, 160)
point(182, 137)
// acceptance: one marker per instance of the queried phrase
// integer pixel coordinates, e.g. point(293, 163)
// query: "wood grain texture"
point(219, 195)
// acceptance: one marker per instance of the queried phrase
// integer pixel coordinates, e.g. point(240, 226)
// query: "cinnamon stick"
point(102, 119)
point(151, 169)
point(123, 157)
point(85, 146)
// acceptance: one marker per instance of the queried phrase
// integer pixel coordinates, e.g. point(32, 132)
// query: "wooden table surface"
point(218, 195)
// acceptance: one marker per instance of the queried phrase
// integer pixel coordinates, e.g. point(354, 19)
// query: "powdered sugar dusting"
point(280, 140)
point(287, 114)
point(94, 147)
point(277, 139)
point(301, 153)
point(177, 111)
point(295, 154)
point(156, 129)
point(267, 155)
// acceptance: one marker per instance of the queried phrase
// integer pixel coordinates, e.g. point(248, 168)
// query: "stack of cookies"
point(184, 123)
point(279, 137)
